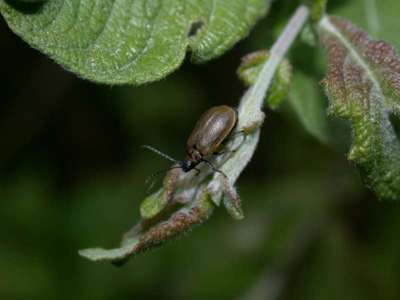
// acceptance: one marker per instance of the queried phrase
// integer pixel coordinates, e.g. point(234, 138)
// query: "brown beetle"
point(210, 131)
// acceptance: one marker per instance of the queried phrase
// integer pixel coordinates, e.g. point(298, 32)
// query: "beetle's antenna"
point(159, 153)
point(151, 178)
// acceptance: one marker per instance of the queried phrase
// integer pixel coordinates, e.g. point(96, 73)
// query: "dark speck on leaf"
point(195, 28)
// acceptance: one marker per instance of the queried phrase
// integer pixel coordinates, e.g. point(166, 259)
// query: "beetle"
point(210, 131)
point(206, 139)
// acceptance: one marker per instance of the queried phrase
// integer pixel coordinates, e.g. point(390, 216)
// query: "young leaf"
point(250, 68)
point(363, 85)
point(303, 97)
point(145, 236)
point(131, 41)
point(317, 9)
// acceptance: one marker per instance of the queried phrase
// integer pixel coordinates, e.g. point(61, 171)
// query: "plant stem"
point(249, 110)
point(277, 53)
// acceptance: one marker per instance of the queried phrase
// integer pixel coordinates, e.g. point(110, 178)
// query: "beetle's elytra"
point(210, 131)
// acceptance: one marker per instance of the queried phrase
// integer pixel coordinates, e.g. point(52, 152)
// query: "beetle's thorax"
point(194, 155)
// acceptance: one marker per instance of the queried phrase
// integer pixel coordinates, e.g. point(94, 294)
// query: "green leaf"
point(153, 205)
point(131, 41)
point(308, 35)
point(250, 68)
point(363, 86)
point(309, 105)
point(317, 9)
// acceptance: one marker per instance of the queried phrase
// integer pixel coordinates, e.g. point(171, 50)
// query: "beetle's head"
point(187, 165)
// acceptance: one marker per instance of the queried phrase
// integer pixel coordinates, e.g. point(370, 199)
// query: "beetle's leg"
point(244, 135)
point(197, 171)
point(245, 131)
point(222, 152)
point(250, 128)
point(214, 168)
point(234, 150)
point(239, 132)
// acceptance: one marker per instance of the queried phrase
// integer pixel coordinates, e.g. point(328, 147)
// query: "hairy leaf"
point(148, 234)
point(363, 86)
point(185, 201)
point(131, 41)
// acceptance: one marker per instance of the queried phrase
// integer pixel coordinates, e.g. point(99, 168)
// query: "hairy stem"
point(278, 51)
point(250, 114)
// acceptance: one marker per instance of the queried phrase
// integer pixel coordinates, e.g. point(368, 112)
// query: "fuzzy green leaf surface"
point(152, 205)
point(363, 86)
point(131, 41)
point(250, 68)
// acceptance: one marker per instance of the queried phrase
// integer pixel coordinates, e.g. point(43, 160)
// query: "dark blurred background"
point(72, 176)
